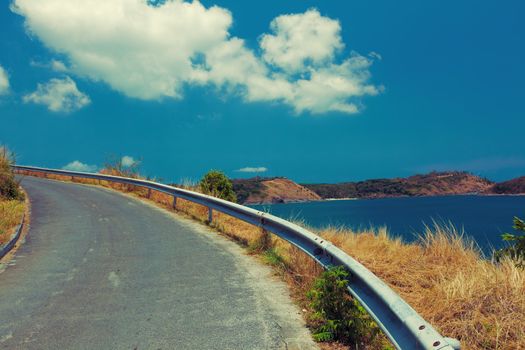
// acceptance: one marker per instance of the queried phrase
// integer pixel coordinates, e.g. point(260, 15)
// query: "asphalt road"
point(99, 270)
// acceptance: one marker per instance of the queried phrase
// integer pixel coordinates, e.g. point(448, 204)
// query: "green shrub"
point(337, 316)
point(216, 184)
point(516, 249)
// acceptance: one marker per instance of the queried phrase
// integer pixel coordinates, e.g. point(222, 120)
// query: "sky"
point(317, 91)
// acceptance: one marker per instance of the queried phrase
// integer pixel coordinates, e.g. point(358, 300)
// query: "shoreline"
point(391, 197)
point(341, 199)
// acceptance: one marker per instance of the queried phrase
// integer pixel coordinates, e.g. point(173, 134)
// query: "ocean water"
point(484, 218)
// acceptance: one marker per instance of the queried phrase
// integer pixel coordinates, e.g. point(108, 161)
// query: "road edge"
point(18, 237)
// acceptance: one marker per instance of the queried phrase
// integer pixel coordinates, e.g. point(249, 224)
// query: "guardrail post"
point(210, 215)
point(149, 193)
point(175, 202)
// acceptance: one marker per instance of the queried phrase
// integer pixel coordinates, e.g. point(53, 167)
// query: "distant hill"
point(432, 184)
point(514, 186)
point(260, 190)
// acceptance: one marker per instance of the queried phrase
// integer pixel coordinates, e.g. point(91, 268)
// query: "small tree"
point(216, 184)
point(516, 249)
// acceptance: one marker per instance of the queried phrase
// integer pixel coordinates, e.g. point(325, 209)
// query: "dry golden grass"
point(12, 205)
point(442, 276)
point(446, 280)
point(11, 212)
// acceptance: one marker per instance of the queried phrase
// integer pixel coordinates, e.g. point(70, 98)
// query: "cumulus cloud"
point(253, 170)
point(79, 166)
point(300, 40)
point(128, 161)
point(141, 50)
point(4, 81)
point(59, 95)
point(150, 51)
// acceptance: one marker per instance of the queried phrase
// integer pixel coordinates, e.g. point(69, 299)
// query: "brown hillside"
point(272, 190)
point(447, 183)
point(432, 184)
point(514, 186)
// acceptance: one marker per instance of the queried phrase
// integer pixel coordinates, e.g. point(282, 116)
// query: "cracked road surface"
point(100, 270)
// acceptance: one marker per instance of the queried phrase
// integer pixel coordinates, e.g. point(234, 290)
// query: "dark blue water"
point(484, 218)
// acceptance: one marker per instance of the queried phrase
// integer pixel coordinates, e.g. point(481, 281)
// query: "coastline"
point(389, 197)
point(341, 199)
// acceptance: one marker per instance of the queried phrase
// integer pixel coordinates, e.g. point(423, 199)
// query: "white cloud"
point(140, 50)
point(330, 88)
point(59, 95)
point(253, 170)
point(79, 166)
point(300, 40)
point(4, 81)
point(128, 161)
point(153, 52)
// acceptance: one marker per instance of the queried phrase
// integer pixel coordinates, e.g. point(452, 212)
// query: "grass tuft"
point(445, 278)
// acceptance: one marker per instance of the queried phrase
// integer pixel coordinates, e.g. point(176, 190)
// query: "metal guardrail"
point(405, 328)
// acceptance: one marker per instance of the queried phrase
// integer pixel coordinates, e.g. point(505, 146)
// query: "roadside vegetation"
point(515, 250)
point(443, 276)
point(11, 197)
point(216, 184)
point(336, 315)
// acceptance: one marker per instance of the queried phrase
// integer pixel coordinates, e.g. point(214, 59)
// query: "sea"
point(482, 218)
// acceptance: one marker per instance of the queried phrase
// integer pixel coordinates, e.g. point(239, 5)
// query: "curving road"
point(102, 271)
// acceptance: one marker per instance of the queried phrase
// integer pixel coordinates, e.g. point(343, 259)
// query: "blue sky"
point(318, 91)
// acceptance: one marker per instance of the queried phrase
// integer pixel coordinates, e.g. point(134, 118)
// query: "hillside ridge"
point(431, 184)
point(271, 190)
point(268, 190)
